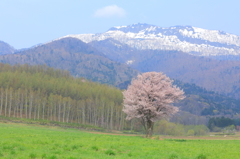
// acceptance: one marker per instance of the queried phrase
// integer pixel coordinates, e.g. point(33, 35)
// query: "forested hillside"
point(79, 58)
point(201, 102)
point(41, 92)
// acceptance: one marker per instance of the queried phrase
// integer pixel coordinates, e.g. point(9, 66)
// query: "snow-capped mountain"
point(193, 40)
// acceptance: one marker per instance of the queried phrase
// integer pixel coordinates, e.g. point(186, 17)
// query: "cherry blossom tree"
point(149, 98)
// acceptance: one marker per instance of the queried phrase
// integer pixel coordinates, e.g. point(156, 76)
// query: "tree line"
point(41, 92)
point(218, 123)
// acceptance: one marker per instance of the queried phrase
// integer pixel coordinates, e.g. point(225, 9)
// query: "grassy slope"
point(24, 141)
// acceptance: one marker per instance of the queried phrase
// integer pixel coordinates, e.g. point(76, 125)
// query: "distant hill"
point(76, 56)
point(201, 102)
point(6, 48)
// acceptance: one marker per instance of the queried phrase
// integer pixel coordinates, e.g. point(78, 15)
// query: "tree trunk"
point(107, 117)
point(121, 121)
point(39, 108)
point(149, 130)
point(21, 104)
point(44, 102)
point(26, 103)
point(64, 109)
point(102, 115)
point(83, 113)
point(10, 102)
point(6, 102)
point(59, 109)
point(111, 118)
point(35, 105)
point(69, 108)
point(1, 101)
point(30, 104)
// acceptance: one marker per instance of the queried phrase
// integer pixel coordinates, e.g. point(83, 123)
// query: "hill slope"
point(6, 48)
point(201, 102)
point(79, 58)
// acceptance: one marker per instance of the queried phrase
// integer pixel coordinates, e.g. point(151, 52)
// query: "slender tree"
point(6, 102)
point(1, 89)
point(149, 98)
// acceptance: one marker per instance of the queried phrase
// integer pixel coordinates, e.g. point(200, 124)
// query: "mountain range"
point(192, 40)
point(195, 56)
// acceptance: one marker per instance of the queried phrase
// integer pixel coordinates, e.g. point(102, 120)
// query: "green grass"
point(35, 142)
point(5, 119)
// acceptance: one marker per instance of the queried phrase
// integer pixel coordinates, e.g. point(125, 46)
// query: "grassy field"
point(19, 141)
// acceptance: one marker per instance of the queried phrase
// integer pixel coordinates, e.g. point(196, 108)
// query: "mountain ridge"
point(192, 40)
point(5, 48)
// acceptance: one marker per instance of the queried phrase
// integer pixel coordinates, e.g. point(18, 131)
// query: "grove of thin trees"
point(40, 92)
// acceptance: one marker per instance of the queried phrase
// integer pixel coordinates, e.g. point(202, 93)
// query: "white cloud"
point(110, 11)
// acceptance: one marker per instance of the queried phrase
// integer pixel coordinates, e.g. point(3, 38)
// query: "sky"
point(24, 23)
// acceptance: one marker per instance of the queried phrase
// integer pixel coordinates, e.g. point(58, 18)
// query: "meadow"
point(21, 141)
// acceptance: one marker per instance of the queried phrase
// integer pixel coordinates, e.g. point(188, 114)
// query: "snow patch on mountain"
point(193, 40)
point(211, 35)
point(119, 27)
point(129, 62)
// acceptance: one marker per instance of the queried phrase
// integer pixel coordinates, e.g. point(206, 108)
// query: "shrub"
point(110, 152)
point(32, 155)
point(74, 147)
point(130, 154)
point(44, 155)
point(95, 148)
point(173, 156)
point(190, 132)
point(201, 156)
point(53, 157)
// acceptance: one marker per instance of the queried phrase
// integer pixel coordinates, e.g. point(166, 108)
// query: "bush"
point(95, 148)
point(74, 147)
point(190, 132)
point(164, 127)
point(53, 157)
point(216, 129)
point(173, 156)
point(44, 155)
point(201, 156)
point(110, 152)
point(32, 155)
